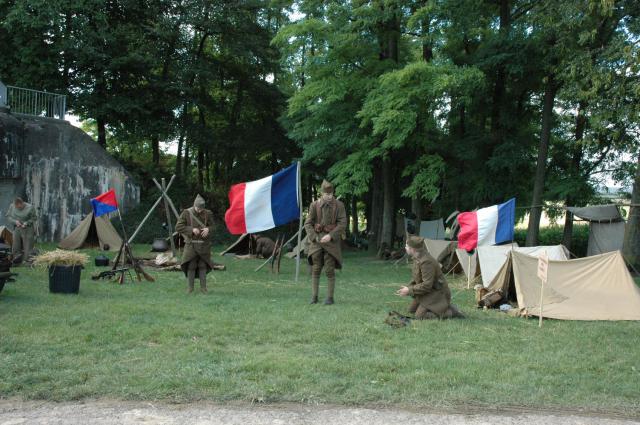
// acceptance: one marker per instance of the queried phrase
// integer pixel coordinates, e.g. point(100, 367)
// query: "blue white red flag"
point(264, 204)
point(487, 226)
point(105, 203)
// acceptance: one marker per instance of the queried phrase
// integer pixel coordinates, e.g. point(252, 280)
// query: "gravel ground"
point(116, 412)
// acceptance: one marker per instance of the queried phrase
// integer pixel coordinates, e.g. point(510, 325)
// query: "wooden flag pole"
point(541, 298)
point(543, 271)
point(469, 271)
point(300, 222)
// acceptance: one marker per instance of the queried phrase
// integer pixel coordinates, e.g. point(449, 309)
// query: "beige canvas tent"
point(491, 258)
point(591, 288)
point(443, 251)
point(6, 236)
point(606, 227)
point(294, 252)
point(470, 266)
point(93, 232)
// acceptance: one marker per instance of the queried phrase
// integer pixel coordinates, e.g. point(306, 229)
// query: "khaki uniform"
point(23, 238)
point(197, 250)
point(325, 218)
point(428, 287)
point(264, 247)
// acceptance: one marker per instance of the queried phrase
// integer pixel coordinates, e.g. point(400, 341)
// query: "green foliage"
point(552, 235)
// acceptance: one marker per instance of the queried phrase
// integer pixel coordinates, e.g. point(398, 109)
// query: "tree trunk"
point(200, 168)
point(388, 217)
point(500, 84)
point(538, 187)
point(631, 246)
point(416, 208)
point(376, 208)
point(354, 215)
point(207, 169)
point(178, 170)
point(574, 169)
point(187, 160)
point(155, 148)
point(102, 132)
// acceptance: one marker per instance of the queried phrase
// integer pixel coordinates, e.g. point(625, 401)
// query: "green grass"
point(255, 338)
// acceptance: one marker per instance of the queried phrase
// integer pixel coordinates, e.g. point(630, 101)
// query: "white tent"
point(491, 258)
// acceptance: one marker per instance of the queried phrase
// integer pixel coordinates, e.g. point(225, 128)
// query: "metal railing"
point(36, 103)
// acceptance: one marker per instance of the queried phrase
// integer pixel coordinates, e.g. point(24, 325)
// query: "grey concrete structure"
point(58, 168)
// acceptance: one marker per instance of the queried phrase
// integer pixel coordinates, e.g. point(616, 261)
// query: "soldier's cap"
point(415, 242)
point(326, 186)
point(199, 201)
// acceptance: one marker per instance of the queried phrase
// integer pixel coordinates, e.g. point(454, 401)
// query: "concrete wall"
point(60, 169)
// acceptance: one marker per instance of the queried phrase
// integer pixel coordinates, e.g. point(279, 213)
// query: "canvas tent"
point(6, 236)
point(591, 288)
point(606, 227)
point(244, 245)
point(443, 251)
point(294, 252)
point(93, 232)
point(492, 258)
point(433, 229)
point(471, 268)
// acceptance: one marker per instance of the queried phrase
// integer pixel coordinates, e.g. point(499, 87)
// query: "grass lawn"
point(255, 338)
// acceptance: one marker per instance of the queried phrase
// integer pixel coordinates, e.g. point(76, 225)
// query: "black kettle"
point(101, 260)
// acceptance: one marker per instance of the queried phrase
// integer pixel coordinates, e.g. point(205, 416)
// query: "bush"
point(552, 235)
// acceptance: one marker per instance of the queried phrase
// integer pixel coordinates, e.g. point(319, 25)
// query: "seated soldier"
point(429, 289)
point(264, 246)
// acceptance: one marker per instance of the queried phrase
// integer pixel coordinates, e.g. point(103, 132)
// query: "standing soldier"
point(196, 225)
point(325, 224)
point(22, 216)
point(429, 289)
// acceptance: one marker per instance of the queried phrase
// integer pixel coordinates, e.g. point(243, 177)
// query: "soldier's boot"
point(315, 285)
point(331, 286)
point(202, 274)
point(191, 276)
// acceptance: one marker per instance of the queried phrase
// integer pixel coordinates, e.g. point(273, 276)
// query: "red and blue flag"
point(105, 203)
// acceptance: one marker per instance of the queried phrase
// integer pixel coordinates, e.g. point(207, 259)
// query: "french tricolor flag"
point(264, 204)
point(487, 226)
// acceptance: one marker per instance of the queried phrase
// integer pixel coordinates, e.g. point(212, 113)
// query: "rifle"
point(110, 274)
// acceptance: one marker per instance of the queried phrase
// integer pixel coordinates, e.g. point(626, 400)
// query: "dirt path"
point(114, 412)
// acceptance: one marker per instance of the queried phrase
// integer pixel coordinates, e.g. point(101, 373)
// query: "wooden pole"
point(541, 297)
point(146, 217)
point(299, 224)
point(268, 259)
point(168, 215)
point(469, 271)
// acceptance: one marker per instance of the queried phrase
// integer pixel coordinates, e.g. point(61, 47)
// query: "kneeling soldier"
point(429, 289)
point(195, 224)
point(325, 224)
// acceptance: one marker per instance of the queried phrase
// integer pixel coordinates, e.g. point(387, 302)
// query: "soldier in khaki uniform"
point(325, 224)
point(195, 224)
point(429, 289)
point(22, 216)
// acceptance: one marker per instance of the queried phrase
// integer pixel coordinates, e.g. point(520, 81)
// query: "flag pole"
point(300, 222)
point(469, 271)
